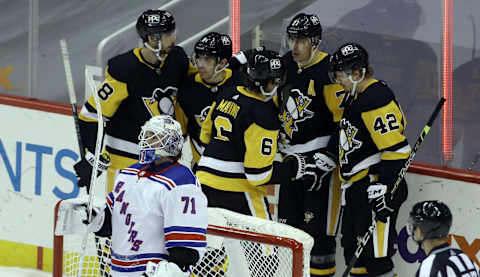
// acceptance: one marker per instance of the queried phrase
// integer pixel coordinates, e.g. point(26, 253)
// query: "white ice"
point(22, 272)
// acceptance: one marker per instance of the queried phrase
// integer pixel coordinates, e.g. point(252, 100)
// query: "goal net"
point(237, 245)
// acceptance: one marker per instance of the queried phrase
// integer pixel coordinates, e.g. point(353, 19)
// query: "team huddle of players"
point(319, 125)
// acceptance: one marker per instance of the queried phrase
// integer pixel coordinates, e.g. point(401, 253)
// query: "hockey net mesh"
point(243, 246)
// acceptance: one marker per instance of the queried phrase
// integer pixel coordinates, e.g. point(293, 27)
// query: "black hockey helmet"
point(349, 56)
point(214, 44)
point(265, 65)
point(305, 25)
point(432, 217)
point(154, 22)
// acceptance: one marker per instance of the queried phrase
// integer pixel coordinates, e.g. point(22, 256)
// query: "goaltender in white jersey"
point(156, 213)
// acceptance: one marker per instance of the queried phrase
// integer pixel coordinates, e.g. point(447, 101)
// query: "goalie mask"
point(216, 45)
point(161, 136)
point(432, 217)
point(348, 57)
point(265, 66)
point(155, 23)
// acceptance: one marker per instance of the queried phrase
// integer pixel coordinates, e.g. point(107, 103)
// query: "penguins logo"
point(348, 143)
point(161, 101)
point(296, 110)
point(308, 216)
point(200, 118)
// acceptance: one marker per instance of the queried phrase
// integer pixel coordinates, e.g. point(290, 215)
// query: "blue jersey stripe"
point(185, 244)
point(139, 256)
point(131, 269)
point(161, 182)
point(184, 229)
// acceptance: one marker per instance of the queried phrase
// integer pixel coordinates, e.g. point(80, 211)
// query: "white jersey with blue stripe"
point(153, 211)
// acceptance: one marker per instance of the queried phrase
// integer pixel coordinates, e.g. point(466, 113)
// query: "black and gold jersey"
point(372, 134)
point(241, 131)
point(193, 103)
point(127, 98)
point(307, 120)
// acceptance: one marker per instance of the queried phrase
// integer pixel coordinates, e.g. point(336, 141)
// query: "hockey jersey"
point(307, 121)
point(152, 212)
point(241, 131)
point(193, 103)
point(128, 100)
point(371, 131)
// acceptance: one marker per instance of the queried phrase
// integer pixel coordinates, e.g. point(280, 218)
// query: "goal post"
point(237, 245)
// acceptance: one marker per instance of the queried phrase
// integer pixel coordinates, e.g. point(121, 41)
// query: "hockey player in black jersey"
point(139, 84)
point(371, 149)
point(307, 120)
point(429, 224)
point(241, 131)
point(212, 53)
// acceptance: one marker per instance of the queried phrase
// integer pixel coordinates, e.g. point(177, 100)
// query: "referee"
point(428, 225)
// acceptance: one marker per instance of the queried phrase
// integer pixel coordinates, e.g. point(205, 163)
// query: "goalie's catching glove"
point(73, 213)
point(84, 168)
point(310, 169)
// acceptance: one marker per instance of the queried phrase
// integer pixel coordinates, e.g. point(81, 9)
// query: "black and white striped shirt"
point(444, 261)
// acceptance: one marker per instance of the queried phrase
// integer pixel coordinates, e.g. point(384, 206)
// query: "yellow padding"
point(359, 270)
point(326, 271)
point(24, 255)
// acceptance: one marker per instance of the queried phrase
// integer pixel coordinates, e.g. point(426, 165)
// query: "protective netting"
point(269, 255)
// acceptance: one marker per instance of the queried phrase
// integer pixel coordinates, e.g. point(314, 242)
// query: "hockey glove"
point(84, 168)
point(164, 269)
point(72, 216)
point(380, 201)
point(311, 170)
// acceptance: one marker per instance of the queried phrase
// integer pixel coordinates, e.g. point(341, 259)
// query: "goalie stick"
point(98, 144)
point(364, 240)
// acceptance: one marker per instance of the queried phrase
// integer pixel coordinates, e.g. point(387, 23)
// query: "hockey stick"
point(98, 147)
point(363, 242)
point(71, 94)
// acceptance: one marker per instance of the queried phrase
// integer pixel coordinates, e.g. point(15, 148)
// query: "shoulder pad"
point(123, 66)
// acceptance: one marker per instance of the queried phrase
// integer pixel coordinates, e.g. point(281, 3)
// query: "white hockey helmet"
point(161, 136)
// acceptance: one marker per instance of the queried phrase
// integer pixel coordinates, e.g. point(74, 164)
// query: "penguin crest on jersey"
point(160, 102)
point(296, 110)
point(200, 118)
point(348, 143)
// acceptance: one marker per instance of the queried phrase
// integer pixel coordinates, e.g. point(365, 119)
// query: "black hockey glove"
point(380, 200)
point(84, 168)
point(310, 169)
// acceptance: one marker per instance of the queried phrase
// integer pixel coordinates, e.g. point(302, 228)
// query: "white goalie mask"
point(161, 136)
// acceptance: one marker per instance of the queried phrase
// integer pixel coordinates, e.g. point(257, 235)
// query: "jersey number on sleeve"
point(105, 91)
point(188, 200)
point(267, 146)
point(386, 125)
point(222, 124)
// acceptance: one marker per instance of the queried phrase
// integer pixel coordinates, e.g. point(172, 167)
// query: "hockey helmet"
point(263, 66)
point(161, 136)
point(349, 56)
point(154, 22)
point(432, 217)
point(305, 25)
point(214, 44)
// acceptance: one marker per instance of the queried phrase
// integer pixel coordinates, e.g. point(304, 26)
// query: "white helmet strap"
point(156, 51)
point(312, 54)
point(270, 94)
point(355, 83)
